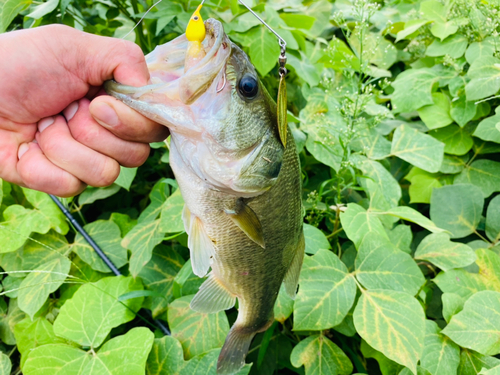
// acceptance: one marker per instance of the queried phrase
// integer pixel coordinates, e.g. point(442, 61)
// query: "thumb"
point(108, 58)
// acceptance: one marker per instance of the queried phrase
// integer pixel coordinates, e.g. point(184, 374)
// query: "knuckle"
point(107, 172)
point(136, 157)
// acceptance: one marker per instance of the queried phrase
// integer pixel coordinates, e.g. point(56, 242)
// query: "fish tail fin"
point(234, 351)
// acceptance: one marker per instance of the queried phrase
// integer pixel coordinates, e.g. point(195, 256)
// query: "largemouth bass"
point(241, 187)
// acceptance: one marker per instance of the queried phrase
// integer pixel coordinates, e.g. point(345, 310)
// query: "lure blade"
point(282, 111)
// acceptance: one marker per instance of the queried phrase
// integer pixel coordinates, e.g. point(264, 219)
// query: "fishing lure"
point(195, 33)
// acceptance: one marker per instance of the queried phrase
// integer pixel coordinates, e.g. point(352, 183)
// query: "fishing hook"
point(224, 84)
point(281, 41)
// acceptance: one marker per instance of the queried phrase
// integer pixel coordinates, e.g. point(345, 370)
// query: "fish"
point(240, 184)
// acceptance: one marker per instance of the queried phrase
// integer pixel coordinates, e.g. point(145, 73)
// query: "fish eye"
point(248, 87)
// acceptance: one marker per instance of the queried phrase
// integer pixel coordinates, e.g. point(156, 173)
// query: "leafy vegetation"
point(394, 108)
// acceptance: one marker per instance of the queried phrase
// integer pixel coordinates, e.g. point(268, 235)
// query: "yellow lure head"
point(195, 31)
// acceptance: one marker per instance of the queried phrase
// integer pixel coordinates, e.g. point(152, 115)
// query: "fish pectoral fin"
point(291, 279)
point(212, 297)
point(246, 219)
point(200, 246)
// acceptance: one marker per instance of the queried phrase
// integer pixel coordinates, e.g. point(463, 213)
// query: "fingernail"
point(22, 150)
point(105, 115)
point(45, 123)
point(70, 111)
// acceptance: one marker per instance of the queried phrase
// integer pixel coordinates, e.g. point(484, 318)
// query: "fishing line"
point(101, 254)
point(142, 18)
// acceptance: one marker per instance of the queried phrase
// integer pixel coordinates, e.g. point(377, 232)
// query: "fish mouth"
point(176, 75)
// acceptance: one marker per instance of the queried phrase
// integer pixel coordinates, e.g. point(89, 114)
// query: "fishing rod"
point(162, 327)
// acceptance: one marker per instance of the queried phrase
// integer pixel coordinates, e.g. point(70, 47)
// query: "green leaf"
point(433, 11)
point(477, 326)
point(493, 219)
point(392, 323)
point(420, 81)
point(167, 358)
point(493, 371)
point(141, 241)
point(56, 359)
point(436, 115)
point(283, 307)
point(320, 356)
point(472, 362)
point(356, 222)
point(440, 251)
point(379, 182)
point(457, 208)
point(422, 184)
point(466, 284)
point(171, 214)
point(410, 27)
point(304, 69)
point(18, 225)
point(409, 214)
point(462, 111)
point(485, 174)
point(401, 237)
point(52, 214)
point(326, 293)
point(416, 148)
point(443, 30)
point(480, 49)
point(298, 21)
point(43, 9)
point(484, 75)
point(452, 304)
point(456, 140)
point(107, 235)
point(32, 334)
point(329, 152)
point(92, 194)
point(44, 248)
point(126, 354)
point(315, 239)
point(126, 177)
point(9, 9)
point(197, 332)
point(454, 47)
point(5, 365)
point(339, 56)
point(47, 278)
point(381, 265)
point(263, 49)
point(441, 356)
point(487, 130)
point(372, 143)
point(158, 276)
point(8, 320)
point(88, 317)
point(453, 164)
point(387, 367)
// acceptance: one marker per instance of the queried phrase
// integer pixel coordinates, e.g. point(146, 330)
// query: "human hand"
point(54, 69)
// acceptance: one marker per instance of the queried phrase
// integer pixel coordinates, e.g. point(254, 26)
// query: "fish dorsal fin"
point(200, 245)
point(291, 279)
point(212, 297)
point(246, 219)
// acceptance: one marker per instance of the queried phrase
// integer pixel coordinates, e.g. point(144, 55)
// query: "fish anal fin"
point(246, 219)
point(212, 297)
point(200, 246)
point(291, 279)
